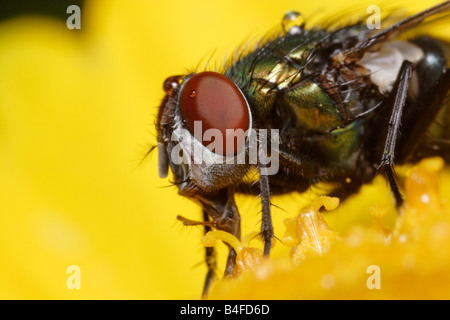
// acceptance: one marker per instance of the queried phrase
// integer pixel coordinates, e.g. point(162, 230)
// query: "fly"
point(337, 105)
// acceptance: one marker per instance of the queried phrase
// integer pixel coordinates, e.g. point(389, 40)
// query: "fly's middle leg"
point(397, 102)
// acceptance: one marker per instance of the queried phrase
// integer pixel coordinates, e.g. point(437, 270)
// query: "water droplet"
point(193, 94)
point(293, 22)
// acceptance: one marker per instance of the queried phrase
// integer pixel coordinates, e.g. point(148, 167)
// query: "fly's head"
point(204, 134)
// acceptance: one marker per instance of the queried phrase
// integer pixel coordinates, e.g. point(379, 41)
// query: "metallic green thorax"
point(288, 87)
point(277, 65)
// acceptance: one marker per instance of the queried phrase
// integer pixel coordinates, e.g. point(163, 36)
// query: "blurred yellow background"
point(76, 115)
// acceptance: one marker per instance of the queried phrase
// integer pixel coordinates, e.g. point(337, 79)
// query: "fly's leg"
point(210, 252)
point(219, 212)
point(222, 210)
point(230, 222)
point(397, 100)
point(210, 259)
point(266, 224)
point(263, 160)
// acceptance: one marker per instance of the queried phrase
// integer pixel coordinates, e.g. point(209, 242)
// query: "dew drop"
point(193, 94)
point(293, 22)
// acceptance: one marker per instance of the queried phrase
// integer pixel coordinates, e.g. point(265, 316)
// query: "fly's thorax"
point(317, 125)
point(276, 65)
point(290, 87)
point(312, 108)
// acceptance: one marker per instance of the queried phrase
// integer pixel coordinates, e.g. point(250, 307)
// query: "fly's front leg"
point(397, 102)
point(210, 258)
point(210, 252)
point(222, 209)
point(219, 212)
point(230, 222)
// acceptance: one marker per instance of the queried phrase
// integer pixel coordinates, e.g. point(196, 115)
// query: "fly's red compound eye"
point(217, 102)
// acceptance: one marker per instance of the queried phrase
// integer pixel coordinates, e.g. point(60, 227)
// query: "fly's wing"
point(360, 48)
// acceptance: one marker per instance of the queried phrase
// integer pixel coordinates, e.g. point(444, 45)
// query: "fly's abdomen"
point(429, 72)
point(428, 91)
point(435, 62)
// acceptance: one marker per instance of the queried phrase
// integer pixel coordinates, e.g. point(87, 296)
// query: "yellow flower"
point(308, 234)
point(410, 261)
point(76, 114)
point(247, 258)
